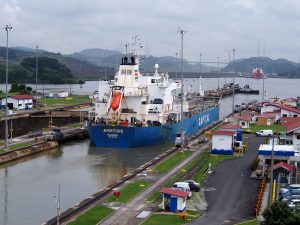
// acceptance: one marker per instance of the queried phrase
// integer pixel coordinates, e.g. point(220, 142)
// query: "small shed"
point(223, 142)
point(244, 121)
point(283, 171)
point(266, 119)
point(174, 200)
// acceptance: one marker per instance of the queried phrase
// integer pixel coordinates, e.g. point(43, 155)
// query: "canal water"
point(27, 186)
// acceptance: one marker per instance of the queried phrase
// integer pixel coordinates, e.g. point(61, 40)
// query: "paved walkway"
point(128, 212)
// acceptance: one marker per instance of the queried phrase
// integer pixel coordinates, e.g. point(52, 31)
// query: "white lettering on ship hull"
point(113, 132)
point(203, 119)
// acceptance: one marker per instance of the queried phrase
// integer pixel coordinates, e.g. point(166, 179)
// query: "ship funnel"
point(125, 60)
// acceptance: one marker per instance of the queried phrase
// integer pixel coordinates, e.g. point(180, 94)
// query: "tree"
point(280, 214)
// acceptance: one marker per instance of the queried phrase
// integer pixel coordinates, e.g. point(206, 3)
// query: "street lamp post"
point(181, 32)
point(7, 28)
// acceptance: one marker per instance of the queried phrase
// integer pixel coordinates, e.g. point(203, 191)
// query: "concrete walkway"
point(128, 212)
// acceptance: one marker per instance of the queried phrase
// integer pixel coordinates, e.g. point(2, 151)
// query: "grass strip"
point(74, 125)
point(214, 160)
point(93, 216)
point(73, 99)
point(15, 146)
point(274, 128)
point(162, 219)
point(173, 161)
point(129, 191)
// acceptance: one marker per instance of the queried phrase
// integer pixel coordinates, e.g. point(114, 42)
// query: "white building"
point(244, 121)
point(223, 142)
point(18, 102)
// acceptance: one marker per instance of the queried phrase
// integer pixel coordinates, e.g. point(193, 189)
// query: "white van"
point(264, 133)
point(184, 186)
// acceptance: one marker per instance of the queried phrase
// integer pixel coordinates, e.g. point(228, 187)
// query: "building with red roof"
point(174, 199)
point(230, 126)
point(18, 102)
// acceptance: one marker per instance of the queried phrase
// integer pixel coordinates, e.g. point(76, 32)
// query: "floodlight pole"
point(271, 172)
point(181, 32)
point(36, 75)
point(7, 28)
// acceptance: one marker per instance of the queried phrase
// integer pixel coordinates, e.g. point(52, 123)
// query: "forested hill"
point(50, 71)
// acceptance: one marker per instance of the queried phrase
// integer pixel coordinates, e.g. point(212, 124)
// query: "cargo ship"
point(257, 73)
point(137, 110)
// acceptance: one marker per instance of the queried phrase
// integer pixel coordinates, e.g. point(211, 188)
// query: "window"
point(284, 115)
point(129, 72)
point(123, 71)
point(152, 81)
point(298, 136)
point(243, 123)
point(295, 115)
point(20, 105)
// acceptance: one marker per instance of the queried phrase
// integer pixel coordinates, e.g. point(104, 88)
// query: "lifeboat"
point(116, 100)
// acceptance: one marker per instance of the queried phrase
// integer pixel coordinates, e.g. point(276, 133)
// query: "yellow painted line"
point(246, 221)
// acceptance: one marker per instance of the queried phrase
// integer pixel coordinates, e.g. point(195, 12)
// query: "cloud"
point(214, 26)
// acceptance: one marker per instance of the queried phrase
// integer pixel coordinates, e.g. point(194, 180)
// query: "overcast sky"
point(213, 26)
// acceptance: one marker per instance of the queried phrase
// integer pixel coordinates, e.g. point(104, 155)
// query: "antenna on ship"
point(126, 46)
point(181, 32)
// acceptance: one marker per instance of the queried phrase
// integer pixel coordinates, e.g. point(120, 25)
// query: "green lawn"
point(1, 151)
point(16, 146)
point(71, 100)
point(275, 128)
point(170, 163)
point(250, 222)
point(93, 216)
point(163, 219)
point(74, 125)
point(129, 191)
point(214, 161)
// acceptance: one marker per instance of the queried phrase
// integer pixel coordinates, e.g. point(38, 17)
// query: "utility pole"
point(233, 55)
point(36, 75)
point(181, 32)
point(7, 28)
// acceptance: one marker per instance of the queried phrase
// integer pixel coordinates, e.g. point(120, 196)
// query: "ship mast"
point(181, 32)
